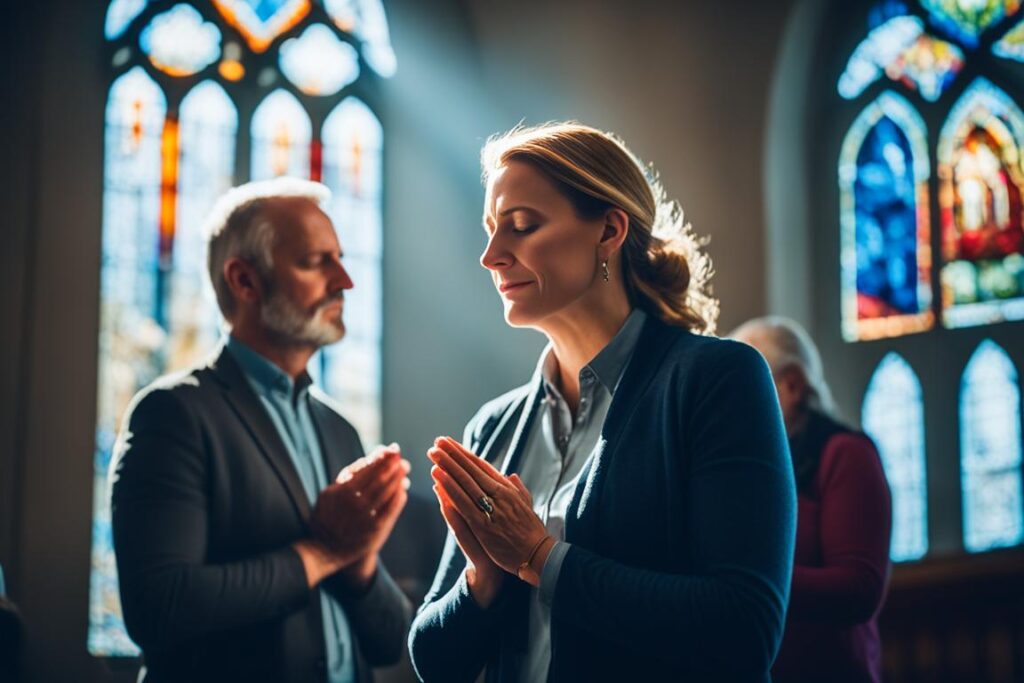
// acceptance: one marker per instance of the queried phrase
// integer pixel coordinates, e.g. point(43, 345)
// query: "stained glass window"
point(352, 139)
point(1011, 45)
point(165, 164)
point(886, 251)
point(281, 133)
point(129, 333)
point(966, 21)
point(980, 183)
point(120, 14)
point(990, 450)
point(318, 63)
point(180, 42)
point(208, 129)
point(261, 21)
point(366, 19)
point(901, 50)
point(893, 416)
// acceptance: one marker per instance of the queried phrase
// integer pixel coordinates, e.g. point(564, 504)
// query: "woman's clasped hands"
point(491, 517)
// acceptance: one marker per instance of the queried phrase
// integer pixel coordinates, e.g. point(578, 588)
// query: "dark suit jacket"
point(681, 525)
point(206, 504)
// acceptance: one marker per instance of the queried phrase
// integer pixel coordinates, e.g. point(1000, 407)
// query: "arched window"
point(893, 416)
point(886, 247)
point(205, 95)
point(990, 450)
point(980, 183)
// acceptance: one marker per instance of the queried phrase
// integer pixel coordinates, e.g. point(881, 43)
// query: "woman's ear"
point(615, 231)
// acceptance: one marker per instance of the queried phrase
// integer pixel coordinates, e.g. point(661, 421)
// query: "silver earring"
point(604, 270)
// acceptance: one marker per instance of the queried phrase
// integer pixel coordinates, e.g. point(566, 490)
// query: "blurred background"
point(856, 165)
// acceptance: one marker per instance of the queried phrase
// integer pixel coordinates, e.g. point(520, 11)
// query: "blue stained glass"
point(281, 135)
point(208, 128)
point(120, 15)
point(318, 63)
point(352, 151)
point(179, 42)
point(990, 450)
point(893, 416)
point(886, 258)
point(129, 333)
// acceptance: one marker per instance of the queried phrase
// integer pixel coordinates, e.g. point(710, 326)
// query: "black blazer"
point(206, 503)
point(682, 529)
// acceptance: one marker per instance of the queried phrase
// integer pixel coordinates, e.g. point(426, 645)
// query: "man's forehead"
point(301, 221)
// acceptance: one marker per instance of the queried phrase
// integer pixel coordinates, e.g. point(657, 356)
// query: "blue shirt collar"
point(610, 362)
point(265, 376)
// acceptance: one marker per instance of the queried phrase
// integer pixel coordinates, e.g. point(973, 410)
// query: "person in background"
point(637, 523)
point(844, 520)
point(247, 521)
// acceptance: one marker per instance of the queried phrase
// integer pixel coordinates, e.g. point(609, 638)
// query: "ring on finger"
point(486, 505)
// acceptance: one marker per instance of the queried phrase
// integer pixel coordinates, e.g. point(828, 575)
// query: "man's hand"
point(354, 516)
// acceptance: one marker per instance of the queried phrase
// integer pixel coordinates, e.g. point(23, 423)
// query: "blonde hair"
point(785, 344)
point(667, 273)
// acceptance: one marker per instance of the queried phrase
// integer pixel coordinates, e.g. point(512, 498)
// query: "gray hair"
point(785, 344)
point(238, 227)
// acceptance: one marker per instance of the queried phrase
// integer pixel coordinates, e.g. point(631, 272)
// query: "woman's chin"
point(516, 315)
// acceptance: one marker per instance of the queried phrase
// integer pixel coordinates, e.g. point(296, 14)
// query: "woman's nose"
point(495, 255)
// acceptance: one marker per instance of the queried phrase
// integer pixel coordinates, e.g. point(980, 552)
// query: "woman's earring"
point(604, 270)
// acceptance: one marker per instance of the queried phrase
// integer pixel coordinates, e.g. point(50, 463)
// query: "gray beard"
point(293, 326)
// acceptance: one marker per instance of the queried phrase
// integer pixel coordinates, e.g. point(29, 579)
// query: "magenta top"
point(841, 566)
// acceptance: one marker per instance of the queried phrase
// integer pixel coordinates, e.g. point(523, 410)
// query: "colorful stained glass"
point(120, 14)
point(179, 42)
point(318, 63)
point(366, 19)
point(352, 154)
point(980, 181)
point(129, 333)
point(261, 21)
point(893, 416)
point(885, 241)
point(1011, 46)
point(208, 129)
point(990, 451)
point(929, 65)
point(281, 136)
point(901, 50)
point(966, 20)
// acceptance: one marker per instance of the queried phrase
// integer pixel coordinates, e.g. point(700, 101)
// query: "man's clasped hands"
point(491, 516)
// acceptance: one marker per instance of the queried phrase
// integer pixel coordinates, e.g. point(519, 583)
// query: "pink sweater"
point(841, 569)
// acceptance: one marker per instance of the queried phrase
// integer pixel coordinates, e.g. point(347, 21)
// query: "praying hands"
point(491, 517)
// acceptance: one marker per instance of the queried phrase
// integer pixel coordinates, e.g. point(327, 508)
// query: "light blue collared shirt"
point(287, 405)
point(557, 450)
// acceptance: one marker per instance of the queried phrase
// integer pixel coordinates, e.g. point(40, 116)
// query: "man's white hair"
point(238, 227)
point(785, 344)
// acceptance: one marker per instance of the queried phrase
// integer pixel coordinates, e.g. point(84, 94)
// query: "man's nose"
point(340, 278)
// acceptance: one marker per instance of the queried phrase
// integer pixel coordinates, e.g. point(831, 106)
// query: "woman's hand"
point(483, 576)
point(512, 529)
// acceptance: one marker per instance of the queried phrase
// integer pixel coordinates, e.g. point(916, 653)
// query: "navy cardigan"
point(682, 530)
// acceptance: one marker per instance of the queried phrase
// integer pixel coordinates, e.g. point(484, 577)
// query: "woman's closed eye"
point(523, 229)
